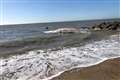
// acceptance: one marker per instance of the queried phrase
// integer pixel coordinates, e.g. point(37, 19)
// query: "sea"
point(28, 53)
point(19, 31)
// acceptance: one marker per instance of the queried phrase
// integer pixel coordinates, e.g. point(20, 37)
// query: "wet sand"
point(107, 70)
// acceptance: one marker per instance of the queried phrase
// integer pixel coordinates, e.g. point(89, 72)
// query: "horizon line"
point(55, 21)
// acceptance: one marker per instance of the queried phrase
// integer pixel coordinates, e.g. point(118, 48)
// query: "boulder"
point(107, 26)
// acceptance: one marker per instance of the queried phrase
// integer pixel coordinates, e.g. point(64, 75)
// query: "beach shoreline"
point(106, 70)
point(40, 64)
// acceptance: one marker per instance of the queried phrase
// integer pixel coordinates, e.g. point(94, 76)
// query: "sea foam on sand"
point(45, 64)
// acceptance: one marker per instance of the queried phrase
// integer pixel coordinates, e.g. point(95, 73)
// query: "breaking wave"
point(45, 64)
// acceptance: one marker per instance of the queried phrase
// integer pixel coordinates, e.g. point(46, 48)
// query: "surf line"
point(102, 60)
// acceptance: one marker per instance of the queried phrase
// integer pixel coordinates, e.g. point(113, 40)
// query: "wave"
point(46, 42)
point(59, 73)
point(43, 64)
point(66, 30)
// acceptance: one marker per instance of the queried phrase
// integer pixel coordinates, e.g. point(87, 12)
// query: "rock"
point(107, 26)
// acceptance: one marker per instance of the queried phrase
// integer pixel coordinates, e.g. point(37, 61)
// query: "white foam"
point(63, 30)
point(59, 73)
point(52, 31)
point(44, 65)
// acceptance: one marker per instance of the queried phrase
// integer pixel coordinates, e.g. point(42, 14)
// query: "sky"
point(38, 11)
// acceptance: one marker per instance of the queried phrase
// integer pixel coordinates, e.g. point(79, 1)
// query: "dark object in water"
point(46, 27)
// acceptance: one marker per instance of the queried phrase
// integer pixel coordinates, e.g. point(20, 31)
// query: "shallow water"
point(41, 64)
point(53, 41)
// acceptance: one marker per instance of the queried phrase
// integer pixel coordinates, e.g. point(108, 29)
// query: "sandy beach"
point(107, 70)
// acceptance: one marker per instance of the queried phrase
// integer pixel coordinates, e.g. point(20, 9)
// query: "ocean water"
point(15, 32)
point(35, 55)
point(22, 37)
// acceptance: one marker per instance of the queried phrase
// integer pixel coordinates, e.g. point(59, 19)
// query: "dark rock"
point(107, 26)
